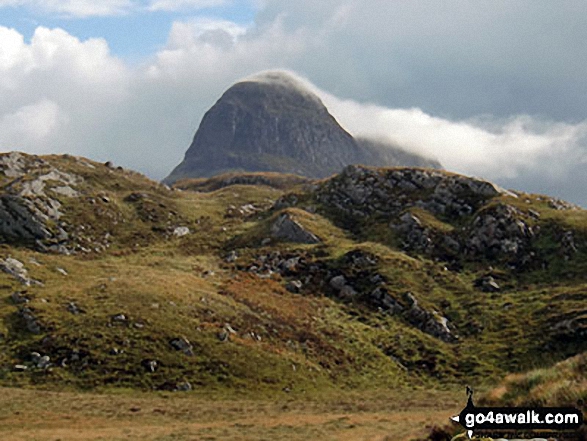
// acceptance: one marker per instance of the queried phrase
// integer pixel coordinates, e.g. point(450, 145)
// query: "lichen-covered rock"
point(181, 231)
point(17, 270)
point(499, 231)
point(12, 165)
point(363, 191)
point(184, 386)
point(347, 292)
point(416, 236)
point(66, 205)
point(338, 282)
point(18, 223)
point(294, 286)
point(430, 322)
point(568, 244)
point(29, 205)
point(66, 190)
point(445, 216)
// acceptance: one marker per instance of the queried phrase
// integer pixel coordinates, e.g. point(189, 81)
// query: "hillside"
point(273, 123)
point(374, 278)
point(563, 384)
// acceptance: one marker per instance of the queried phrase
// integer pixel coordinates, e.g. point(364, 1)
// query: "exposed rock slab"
point(17, 270)
point(18, 222)
point(288, 229)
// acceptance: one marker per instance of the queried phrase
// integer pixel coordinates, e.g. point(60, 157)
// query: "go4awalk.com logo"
point(525, 419)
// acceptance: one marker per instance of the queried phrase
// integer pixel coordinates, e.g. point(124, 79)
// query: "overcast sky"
point(492, 88)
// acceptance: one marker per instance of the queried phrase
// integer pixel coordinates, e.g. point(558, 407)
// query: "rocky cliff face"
point(271, 123)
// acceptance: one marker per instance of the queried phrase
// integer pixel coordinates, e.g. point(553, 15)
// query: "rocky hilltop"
point(374, 277)
point(271, 122)
point(62, 204)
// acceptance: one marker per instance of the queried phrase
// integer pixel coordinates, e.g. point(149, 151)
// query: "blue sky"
point(131, 35)
point(492, 88)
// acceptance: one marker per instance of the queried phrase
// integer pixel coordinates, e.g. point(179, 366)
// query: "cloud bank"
point(61, 94)
point(74, 8)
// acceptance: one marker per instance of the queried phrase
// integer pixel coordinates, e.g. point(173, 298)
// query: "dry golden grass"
point(562, 384)
point(397, 415)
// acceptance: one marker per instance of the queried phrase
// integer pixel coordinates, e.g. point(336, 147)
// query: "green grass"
point(311, 341)
point(280, 181)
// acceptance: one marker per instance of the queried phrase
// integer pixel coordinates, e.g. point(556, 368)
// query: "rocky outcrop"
point(430, 322)
point(67, 205)
point(16, 269)
point(31, 322)
point(357, 280)
point(18, 222)
point(288, 229)
point(445, 216)
point(487, 284)
point(30, 211)
point(272, 122)
point(363, 191)
point(12, 165)
point(416, 236)
point(182, 344)
point(500, 231)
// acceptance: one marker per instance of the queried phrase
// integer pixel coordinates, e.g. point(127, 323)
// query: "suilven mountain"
point(271, 122)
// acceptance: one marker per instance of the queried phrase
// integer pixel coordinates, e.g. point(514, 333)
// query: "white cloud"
point(30, 127)
point(58, 92)
point(11, 47)
point(178, 5)
point(204, 30)
point(60, 67)
point(192, 56)
point(74, 8)
point(505, 150)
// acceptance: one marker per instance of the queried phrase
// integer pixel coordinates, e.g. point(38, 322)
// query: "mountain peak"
point(273, 122)
point(274, 92)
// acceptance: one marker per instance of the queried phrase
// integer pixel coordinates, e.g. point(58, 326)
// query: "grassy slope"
point(281, 181)
point(563, 384)
point(169, 287)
